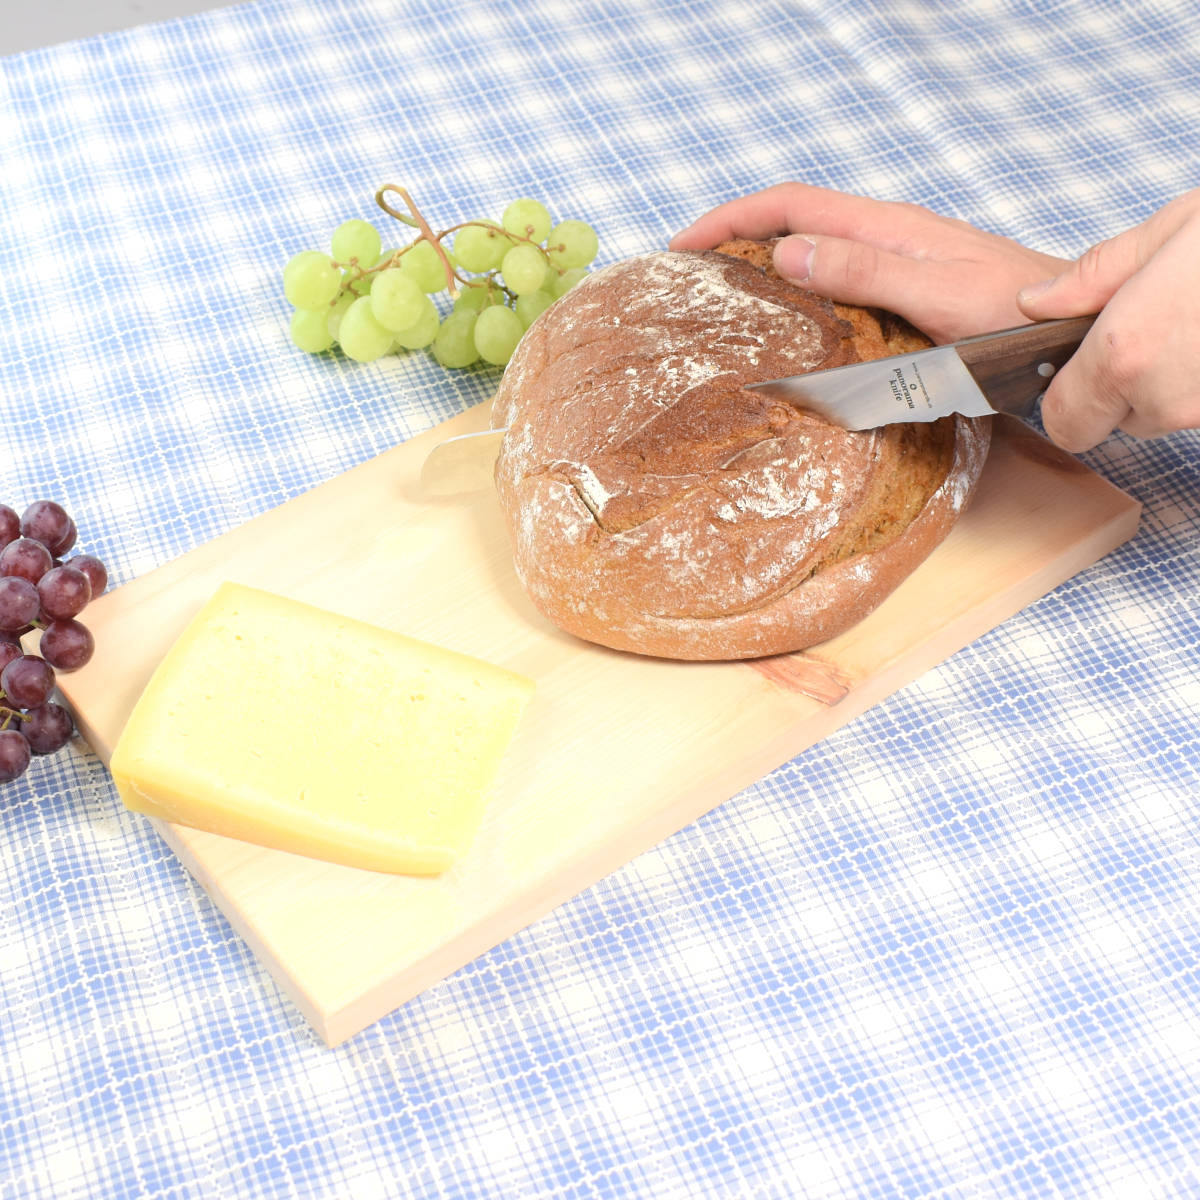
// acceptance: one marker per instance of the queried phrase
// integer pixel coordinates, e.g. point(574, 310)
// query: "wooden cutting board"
point(615, 752)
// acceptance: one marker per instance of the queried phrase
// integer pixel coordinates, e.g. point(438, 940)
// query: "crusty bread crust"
point(656, 505)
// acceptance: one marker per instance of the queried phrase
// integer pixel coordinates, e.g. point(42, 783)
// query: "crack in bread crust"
point(656, 504)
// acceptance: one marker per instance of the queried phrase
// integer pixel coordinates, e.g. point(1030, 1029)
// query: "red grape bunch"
point(42, 590)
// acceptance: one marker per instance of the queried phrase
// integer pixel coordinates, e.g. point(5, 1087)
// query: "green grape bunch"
point(498, 277)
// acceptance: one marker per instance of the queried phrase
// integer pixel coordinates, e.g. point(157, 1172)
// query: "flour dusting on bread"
point(658, 505)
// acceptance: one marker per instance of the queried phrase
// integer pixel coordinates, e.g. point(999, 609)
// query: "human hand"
point(1138, 369)
point(948, 278)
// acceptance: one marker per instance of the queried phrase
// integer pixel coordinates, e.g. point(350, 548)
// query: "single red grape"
point(15, 753)
point(27, 681)
point(64, 592)
point(46, 522)
point(10, 525)
point(67, 645)
point(93, 568)
point(65, 542)
point(48, 728)
point(26, 558)
point(8, 651)
point(19, 603)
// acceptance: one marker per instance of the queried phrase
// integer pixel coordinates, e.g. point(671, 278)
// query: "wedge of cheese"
point(291, 727)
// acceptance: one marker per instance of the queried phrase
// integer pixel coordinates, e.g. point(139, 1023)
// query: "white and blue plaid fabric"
point(952, 951)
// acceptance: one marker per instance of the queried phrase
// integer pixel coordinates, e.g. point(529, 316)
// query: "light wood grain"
point(615, 752)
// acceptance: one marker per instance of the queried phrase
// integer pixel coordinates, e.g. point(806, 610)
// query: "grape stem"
point(414, 217)
point(7, 714)
point(423, 225)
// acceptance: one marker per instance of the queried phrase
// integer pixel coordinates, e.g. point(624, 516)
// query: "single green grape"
point(523, 268)
point(423, 329)
point(360, 335)
point(527, 218)
point(356, 239)
point(311, 279)
point(473, 298)
point(396, 300)
point(481, 247)
point(454, 345)
point(423, 266)
point(572, 244)
point(360, 285)
point(497, 331)
point(568, 279)
point(479, 296)
point(531, 305)
point(310, 330)
point(335, 312)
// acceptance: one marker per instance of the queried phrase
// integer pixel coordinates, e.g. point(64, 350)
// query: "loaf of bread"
point(656, 505)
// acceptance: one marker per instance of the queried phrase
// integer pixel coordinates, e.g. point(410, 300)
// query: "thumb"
point(847, 271)
point(1087, 285)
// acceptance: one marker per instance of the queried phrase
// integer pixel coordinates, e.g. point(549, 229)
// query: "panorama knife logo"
point(909, 391)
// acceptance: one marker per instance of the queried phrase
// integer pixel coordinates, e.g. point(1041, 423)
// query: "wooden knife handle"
point(1014, 366)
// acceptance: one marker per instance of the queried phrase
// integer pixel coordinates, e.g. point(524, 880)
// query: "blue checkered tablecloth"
point(952, 951)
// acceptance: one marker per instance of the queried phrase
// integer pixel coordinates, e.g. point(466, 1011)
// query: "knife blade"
point(461, 464)
point(1004, 371)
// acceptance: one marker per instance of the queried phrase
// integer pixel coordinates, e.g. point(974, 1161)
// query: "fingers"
point(800, 208)
point(1124, 376)
point(1088, 284)
point(857, 273)
point(1097, 393)
point(760, 215)
point(1083, 404)
point(1137, 369)
point(1092, 280)
point(948, 278)
point(946, 300)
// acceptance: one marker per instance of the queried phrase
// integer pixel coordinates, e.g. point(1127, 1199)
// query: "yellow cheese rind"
point(281, 724)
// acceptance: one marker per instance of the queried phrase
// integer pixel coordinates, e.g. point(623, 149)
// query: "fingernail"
point(794, 258)
point(1034, 290)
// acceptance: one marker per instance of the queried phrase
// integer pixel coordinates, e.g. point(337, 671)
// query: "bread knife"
point(994, 372)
